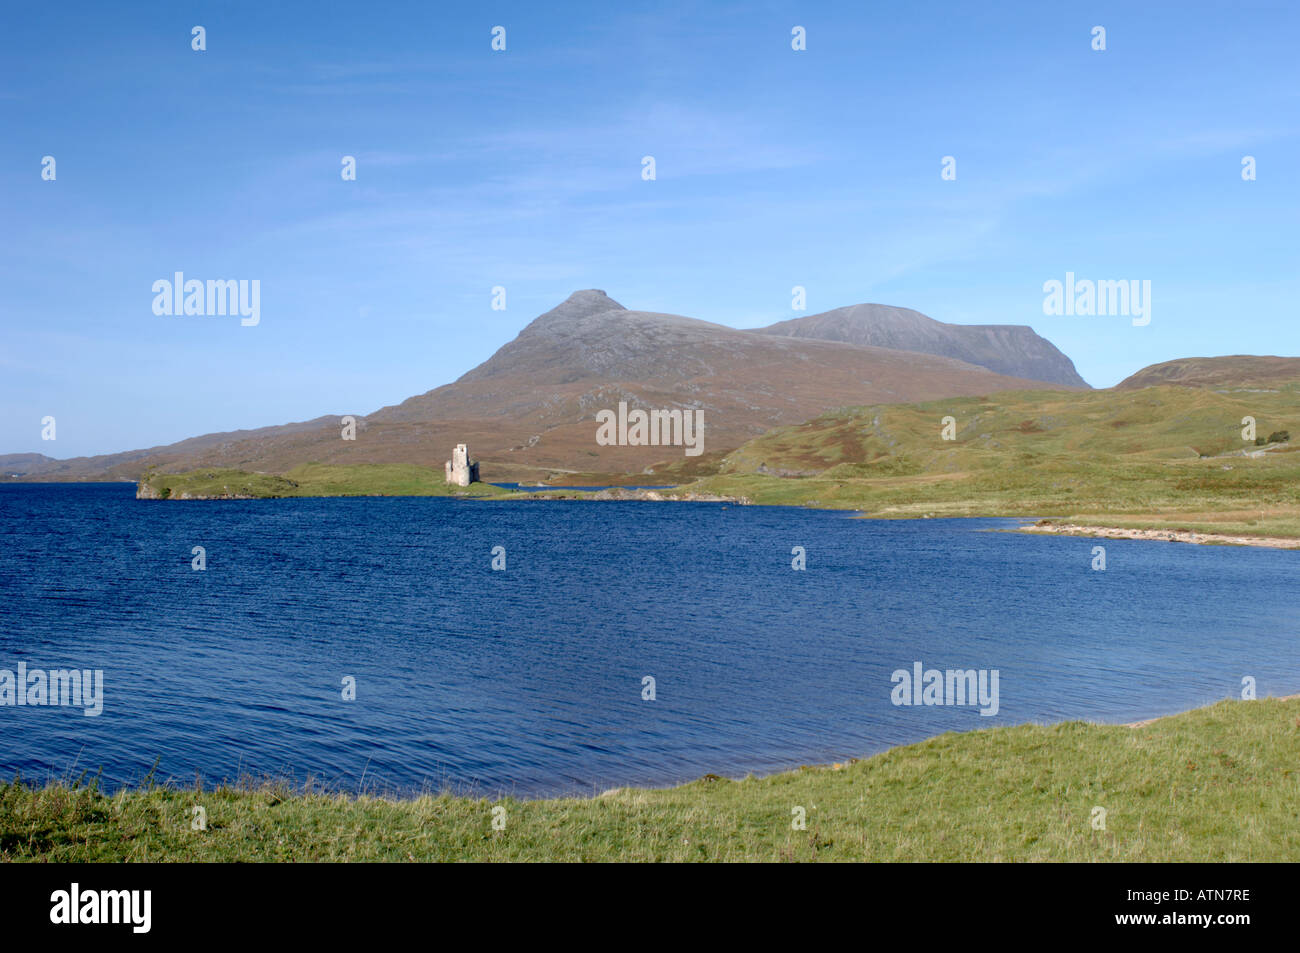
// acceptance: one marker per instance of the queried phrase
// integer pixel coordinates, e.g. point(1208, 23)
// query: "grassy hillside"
point(1215, 784)
point(1167, 456)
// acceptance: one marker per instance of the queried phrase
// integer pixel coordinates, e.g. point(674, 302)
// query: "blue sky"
point(522, 168)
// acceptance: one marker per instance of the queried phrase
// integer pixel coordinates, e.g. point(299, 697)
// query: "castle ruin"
point(460, 470)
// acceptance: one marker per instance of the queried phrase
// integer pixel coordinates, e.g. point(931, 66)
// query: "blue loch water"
point(530, 680)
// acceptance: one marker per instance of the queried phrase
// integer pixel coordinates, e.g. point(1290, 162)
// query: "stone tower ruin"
point(460, 470)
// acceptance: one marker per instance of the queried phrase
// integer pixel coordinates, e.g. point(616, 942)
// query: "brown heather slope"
point(1236, 371)
point(530, 409)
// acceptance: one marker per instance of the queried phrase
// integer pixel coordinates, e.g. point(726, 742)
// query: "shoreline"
point(1015, 793)
point(408, 796)
point(619, 494)
point(842, 765)
point(675, 494)
point(1160, 535)
point(1151, 721)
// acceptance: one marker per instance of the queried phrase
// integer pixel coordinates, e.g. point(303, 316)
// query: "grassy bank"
point(311, 479)
point(1201, 497)
point(1216, 784)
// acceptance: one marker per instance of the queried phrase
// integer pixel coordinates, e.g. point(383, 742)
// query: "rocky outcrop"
point(144, 490)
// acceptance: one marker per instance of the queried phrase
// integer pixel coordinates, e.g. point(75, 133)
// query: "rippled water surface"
point(529, 680)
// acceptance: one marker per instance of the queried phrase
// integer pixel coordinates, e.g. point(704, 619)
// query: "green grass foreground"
point(1215, 784)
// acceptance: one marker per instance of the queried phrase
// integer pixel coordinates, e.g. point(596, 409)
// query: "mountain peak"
point(592, 294)
point(582, 304)
point(573, 313)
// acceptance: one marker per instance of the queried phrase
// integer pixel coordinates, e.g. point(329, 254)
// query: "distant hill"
point(530, 409)
point(23, 462)
point(1238, 370)
point(1009, 349)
